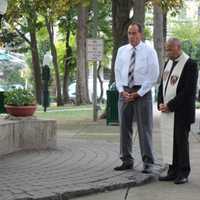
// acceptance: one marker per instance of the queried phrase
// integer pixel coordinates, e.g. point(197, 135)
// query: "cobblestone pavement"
point(77, 167)
point(82, 164)
point(163, 190)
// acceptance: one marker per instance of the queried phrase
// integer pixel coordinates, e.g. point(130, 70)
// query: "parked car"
point(8, 87)
point(15, 86)
point(72, 90)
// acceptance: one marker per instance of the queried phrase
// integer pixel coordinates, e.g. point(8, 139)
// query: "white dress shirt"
point(146, 68)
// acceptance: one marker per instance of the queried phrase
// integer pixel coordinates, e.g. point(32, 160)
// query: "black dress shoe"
point(124, 166)
point(181, 180)
point(167, 178)
point(147, 169)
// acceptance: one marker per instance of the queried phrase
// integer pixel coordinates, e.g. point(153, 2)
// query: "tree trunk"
point(68, 57)
point(121, 20)
point(49, 26)
point(158, 34)
point(35, 63)
point(139, 12)
point(164, 26)
point(81, 83)
point(100, 81)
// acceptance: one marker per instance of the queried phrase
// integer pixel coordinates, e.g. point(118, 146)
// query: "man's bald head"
point(173, 48)
point(174, 41)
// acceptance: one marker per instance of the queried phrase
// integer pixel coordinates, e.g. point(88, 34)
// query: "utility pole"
point(94, 35)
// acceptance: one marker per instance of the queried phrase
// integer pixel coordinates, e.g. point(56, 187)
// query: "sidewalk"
point(83, 164)
point(164, 190)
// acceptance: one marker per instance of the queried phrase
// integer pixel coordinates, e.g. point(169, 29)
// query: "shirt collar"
point(139, 46)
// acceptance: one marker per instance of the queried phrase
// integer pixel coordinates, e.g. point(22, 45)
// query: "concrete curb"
point(98, 188)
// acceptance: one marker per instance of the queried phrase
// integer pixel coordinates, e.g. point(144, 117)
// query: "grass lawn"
point(67, 106)
point(77, 122)
point(68, 113)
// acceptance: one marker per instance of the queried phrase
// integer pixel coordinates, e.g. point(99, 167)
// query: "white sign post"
point(94, 53)
point(94, 49)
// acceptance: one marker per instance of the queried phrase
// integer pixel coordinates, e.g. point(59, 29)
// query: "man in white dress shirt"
point(136, 71)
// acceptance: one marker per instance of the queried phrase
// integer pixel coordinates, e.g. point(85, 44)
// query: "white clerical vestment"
point(170, 82)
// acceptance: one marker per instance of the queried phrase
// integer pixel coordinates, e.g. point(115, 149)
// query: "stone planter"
point(20, 111)
point(26, 133)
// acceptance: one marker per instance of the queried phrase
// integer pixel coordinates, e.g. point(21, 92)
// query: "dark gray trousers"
point(141, 112)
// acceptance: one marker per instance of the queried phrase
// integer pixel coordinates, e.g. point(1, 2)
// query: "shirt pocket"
point(141, 65)
point(124, 58)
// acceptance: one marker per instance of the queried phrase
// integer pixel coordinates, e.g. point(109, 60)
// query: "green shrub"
point(19, 97)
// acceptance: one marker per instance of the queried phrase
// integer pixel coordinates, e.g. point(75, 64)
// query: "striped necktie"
point(131, 69)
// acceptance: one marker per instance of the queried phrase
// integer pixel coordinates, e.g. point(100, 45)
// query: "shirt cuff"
point(120, 89)
point(141, 92)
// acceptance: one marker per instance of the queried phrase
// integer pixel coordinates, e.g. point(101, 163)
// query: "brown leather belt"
point(135, 88)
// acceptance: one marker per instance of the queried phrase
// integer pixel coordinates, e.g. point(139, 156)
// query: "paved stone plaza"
point(79, 165)
point(75, 168)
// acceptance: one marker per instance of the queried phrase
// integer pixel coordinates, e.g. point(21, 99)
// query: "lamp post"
point(47, 60)
point(3, 8)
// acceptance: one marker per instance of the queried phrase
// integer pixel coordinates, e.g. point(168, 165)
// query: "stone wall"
point(26, 134)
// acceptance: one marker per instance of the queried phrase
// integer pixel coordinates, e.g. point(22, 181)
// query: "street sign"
point(94, 49)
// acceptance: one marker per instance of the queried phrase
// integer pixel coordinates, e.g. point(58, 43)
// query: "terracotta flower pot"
point(20, 111)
